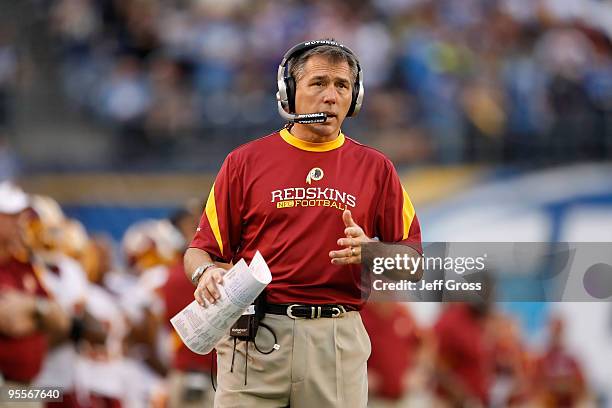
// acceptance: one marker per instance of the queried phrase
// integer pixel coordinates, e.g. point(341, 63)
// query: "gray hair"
point(332, 53)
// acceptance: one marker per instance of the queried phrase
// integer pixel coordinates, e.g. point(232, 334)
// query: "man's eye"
point(318, 84)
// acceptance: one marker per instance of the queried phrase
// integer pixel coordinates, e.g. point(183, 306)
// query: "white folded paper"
point(201, 328)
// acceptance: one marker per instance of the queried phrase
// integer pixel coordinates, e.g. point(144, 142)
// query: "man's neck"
point(305, 133)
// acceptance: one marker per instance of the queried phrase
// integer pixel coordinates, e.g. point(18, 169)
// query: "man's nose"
point(330, 95)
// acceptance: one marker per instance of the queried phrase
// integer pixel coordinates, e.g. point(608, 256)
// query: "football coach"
point(307, 197)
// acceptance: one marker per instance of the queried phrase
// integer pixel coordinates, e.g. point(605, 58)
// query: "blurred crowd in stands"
point(447, 81)
point(80, 312)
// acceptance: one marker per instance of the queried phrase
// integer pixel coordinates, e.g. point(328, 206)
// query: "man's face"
point(8, 227)
point(10, 231)
point(324, 87)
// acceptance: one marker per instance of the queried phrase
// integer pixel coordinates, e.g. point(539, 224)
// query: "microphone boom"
point(305, 118)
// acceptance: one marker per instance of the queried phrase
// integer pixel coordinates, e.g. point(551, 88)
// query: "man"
point(189, 378)
point(29, 319)
point(53, 241)
point(150, 247)
point(559, 378)
point(465, 362)
point(307, 198)
point(99, 370)
point(395, 339)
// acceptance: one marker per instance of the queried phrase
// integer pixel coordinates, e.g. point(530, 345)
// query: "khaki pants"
point(321, 363)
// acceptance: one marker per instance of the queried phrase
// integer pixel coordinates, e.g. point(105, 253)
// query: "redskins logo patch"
point(315, 174)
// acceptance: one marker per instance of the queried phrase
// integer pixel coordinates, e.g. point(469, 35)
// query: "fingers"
point(349, 242)
point(354, 232)
point(199, 296)
point(355, 236)
point(346, 256)
point(347, 218)
point(343, 253)
point(208, 287)
point(348, 260)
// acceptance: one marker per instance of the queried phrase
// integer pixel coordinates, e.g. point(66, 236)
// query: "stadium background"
point(497, 114)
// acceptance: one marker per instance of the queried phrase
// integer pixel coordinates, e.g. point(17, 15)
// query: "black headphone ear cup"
point(356, 90)
point(353, 100)
point(290, 84)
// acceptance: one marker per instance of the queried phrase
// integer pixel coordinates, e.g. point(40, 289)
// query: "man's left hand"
point(351, 254)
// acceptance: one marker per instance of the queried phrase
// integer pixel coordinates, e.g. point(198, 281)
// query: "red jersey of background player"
point(21, 358)
point(559, 379)
point(178, 292)
point(395, 340)
point(285, 197)
point(464, 355)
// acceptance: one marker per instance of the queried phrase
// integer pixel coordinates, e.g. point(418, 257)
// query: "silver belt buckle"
point(290, 314)
point(338, 311)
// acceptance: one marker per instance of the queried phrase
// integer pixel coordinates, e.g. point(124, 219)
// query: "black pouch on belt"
point(246, 328)
point(247, 325)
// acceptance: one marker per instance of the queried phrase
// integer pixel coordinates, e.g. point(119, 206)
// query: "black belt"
point(301, 311)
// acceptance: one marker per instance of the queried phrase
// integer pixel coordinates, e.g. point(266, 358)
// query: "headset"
point(286, 85)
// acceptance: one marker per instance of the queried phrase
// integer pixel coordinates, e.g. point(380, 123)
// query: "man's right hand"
point(17, 314)
point(208, 289)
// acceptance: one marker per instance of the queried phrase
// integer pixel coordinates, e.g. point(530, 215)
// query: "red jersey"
point(178, 293)
point(21, 358)
point(285, 197)
point(395, 339)
point(560, 378)
point(464, 349)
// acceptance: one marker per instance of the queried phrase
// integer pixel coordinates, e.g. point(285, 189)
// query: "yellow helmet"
point(43, 229)
point(150, 243)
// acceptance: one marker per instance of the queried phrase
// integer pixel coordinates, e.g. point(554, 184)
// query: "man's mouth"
point(330, 115)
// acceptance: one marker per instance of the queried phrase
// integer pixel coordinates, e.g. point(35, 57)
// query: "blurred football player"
point(189, 379)
point(149, 247)
point(29, 318)
point(559, 376)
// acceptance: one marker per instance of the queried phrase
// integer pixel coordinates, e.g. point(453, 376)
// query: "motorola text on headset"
point(287, 84)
